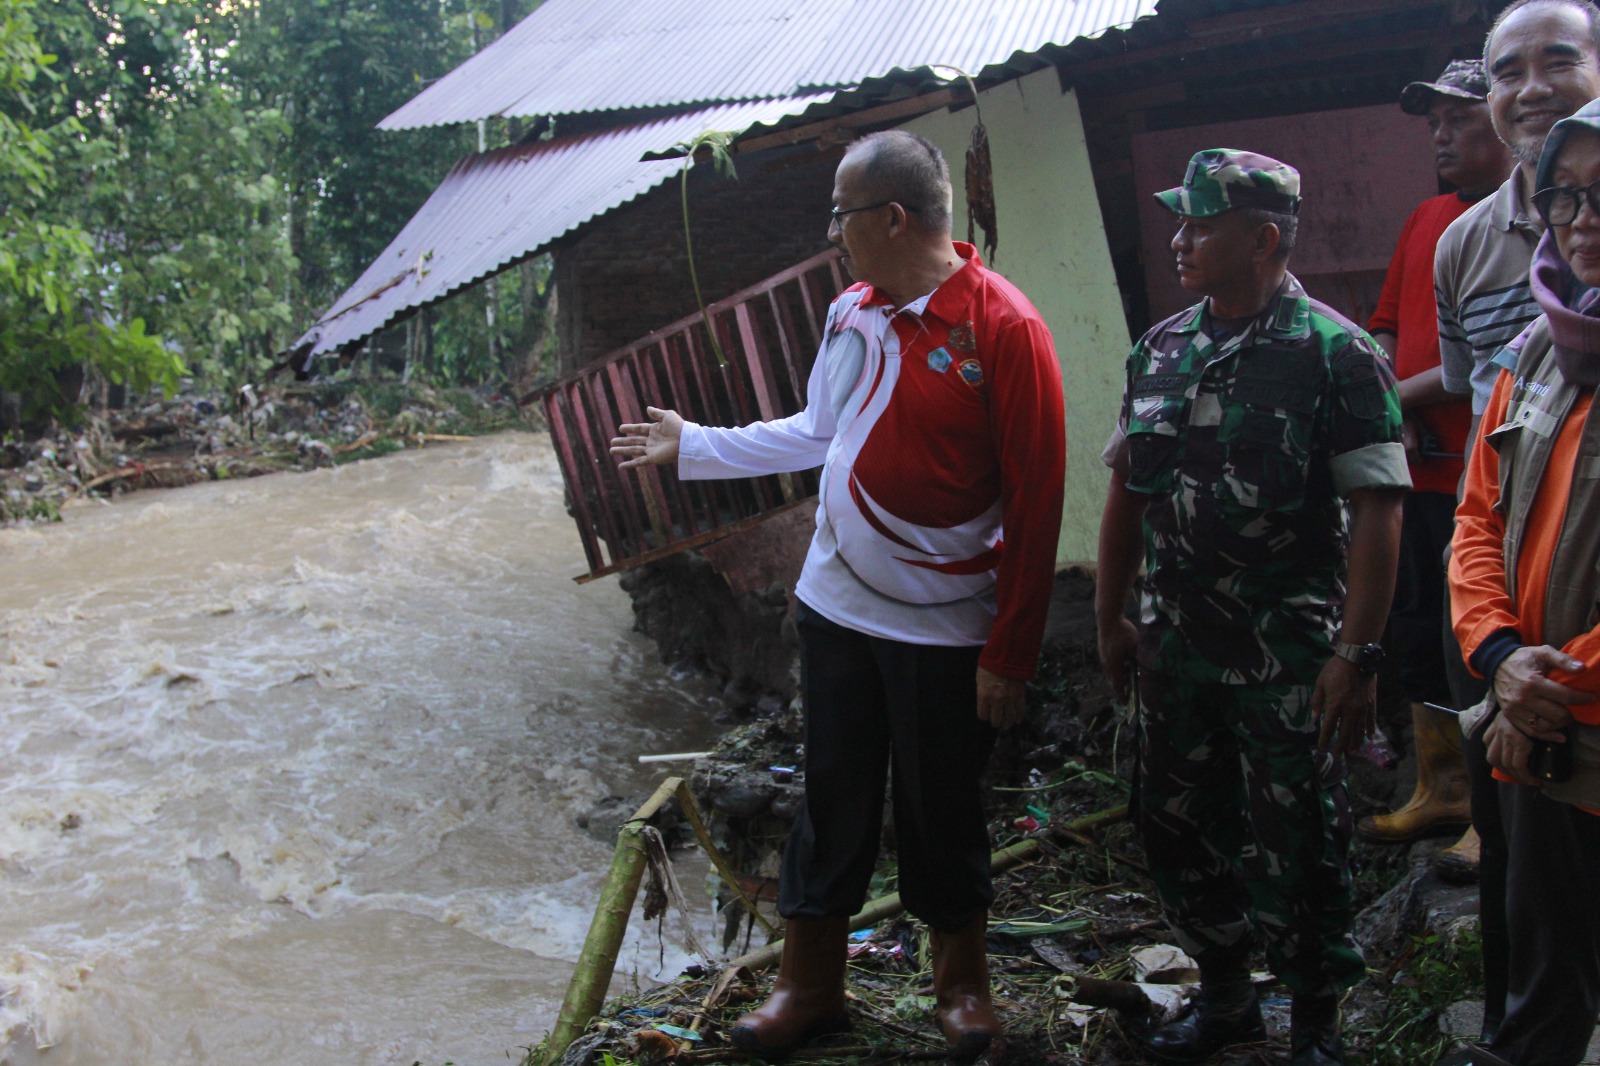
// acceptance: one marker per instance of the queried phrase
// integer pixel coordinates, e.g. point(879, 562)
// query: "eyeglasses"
point(838, 215)
point(1560, 204)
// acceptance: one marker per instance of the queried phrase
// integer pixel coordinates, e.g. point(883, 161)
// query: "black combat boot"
point(1225, 1012)
point(1314, 1038)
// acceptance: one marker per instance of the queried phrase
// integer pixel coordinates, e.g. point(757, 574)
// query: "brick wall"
point(627, 275)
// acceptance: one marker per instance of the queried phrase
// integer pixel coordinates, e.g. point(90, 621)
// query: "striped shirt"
point(1480, 276)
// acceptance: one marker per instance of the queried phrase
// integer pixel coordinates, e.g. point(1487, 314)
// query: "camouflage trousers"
point(1246, 824)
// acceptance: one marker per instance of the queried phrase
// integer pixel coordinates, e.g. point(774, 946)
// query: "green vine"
point(719, 143)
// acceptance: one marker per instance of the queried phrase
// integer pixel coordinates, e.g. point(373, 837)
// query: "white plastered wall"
point(1052, 246)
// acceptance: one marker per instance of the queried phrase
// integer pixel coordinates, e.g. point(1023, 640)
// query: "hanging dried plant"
point(718, 142)
point(980, 191)
point(980, 176)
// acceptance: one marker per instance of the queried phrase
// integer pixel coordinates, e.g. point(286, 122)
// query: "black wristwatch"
point(1367, 657)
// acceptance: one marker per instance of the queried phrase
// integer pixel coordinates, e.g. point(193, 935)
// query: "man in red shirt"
point(935, 411)
point(1471, 157)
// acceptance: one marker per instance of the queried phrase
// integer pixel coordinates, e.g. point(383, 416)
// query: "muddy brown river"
point(289, 767)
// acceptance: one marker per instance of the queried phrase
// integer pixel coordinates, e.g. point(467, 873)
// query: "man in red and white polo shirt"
point(935, 411)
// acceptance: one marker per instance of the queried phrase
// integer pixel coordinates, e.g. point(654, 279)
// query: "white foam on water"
point(292, 766)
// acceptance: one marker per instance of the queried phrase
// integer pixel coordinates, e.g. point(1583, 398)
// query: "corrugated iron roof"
point(499, 207)
point(573, 56)
point(883, 37)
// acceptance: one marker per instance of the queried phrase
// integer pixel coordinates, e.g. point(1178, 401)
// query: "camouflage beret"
point(1222, 179)
point(1463, 79)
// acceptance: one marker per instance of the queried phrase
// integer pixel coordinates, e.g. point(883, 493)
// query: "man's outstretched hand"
point(653, 443)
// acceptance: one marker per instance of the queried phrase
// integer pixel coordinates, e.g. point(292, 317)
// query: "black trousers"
point(1494, 855)
point(1465, 691)
point(1553, 976)
point(878, 709)
point(1420, 598)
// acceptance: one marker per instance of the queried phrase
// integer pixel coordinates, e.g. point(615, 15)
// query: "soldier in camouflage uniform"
point(1250, 422)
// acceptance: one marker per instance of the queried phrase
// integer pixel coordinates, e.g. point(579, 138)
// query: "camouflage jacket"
point(1246, 444)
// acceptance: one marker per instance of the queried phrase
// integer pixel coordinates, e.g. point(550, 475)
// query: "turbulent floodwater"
point(289, 767)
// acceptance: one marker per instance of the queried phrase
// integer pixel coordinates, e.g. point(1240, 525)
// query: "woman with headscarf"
point(1525, 592)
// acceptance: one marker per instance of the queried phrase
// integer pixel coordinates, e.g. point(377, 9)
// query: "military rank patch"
point(972, 372)
point(963, 339)
point(939, 360)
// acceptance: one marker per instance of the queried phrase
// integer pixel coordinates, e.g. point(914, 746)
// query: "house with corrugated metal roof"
point(1089, 106)
point(605, 84)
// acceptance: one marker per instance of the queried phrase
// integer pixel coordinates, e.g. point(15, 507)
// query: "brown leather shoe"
point(1442, 799)
point(807, 998)
point(961, 987)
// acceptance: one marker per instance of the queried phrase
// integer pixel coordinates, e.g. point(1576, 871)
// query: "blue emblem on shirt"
point(972, 372)
point(939, 360)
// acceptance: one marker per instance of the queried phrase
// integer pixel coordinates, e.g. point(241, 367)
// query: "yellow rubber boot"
point(1458, 864)
point(1442, 800)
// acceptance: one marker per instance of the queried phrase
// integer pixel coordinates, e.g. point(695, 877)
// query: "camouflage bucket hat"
point(1463, 79)
point(1222, 179)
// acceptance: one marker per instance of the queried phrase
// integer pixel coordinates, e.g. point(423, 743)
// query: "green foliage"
point(461, 332)
point(205, 252)
point(1441, 971)
point(186, 185)
point(54, 311)
point(333, 69)
point(23, 508)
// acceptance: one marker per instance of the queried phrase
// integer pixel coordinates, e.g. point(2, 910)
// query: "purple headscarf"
point(1572, 308)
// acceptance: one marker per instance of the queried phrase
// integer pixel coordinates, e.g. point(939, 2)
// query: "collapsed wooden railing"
point(770, 332)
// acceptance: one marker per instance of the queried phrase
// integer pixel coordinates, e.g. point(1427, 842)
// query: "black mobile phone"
point(1551, 763)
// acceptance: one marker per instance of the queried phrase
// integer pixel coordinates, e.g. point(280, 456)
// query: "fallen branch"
point(825, 1054)
point(127, 471)
point(135, 470)
point(1072, 835)
point(360, 442)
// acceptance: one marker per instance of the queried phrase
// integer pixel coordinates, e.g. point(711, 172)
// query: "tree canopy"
point(186, 184)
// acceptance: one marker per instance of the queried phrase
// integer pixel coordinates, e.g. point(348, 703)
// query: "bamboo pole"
point(591, 978)
point(691, 811)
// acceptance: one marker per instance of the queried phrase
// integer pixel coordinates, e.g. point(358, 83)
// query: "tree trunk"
point(411, 350)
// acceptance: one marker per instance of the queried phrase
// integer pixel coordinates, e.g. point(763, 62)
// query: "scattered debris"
point(168, 443)
point(1082, 963)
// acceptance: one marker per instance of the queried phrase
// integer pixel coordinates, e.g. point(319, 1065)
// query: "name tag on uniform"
point(1158, 384)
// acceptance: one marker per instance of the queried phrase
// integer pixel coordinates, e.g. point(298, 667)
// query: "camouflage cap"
point(1221, 179)
point(1463, 79)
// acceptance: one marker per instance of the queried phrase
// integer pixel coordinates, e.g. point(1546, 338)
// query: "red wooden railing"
point(770, 334)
